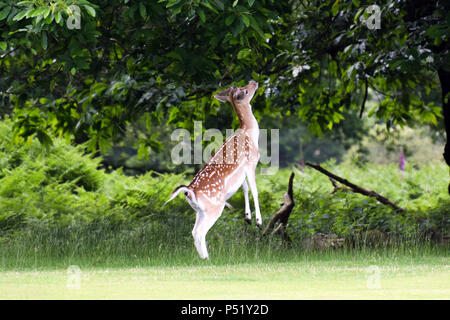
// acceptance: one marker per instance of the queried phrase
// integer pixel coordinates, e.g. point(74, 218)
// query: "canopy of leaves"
point(86, 69)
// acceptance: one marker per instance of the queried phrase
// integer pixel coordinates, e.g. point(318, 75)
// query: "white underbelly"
point(235, 183)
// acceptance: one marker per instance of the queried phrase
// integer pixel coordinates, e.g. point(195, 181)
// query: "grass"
point(238, 273)
point(130, 264)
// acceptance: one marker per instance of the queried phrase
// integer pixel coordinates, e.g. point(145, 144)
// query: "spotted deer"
point(227, 170)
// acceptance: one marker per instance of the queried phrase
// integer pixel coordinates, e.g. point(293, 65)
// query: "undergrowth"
point(56, 202)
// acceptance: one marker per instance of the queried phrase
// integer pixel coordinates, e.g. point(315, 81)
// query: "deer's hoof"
point(248, 220)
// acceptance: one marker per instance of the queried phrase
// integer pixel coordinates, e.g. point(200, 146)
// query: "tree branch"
point(363, 105)
point(283, 214)
point(354, 187)
point(337, 187)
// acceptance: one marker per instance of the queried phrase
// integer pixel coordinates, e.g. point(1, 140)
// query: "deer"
point(229, 168)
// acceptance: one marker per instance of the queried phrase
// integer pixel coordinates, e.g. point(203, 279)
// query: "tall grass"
point(100, 245)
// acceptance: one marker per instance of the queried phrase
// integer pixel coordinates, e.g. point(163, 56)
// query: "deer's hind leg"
point(204, 221)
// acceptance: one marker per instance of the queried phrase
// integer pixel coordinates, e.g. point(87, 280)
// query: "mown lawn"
point(307, 276)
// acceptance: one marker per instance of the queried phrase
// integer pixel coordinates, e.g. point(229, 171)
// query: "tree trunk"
point(444, 77)
point(283, 214)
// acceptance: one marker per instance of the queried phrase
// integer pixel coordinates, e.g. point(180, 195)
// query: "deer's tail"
point(184, 189)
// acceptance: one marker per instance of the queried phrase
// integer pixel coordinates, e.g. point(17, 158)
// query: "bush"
point(63, 187)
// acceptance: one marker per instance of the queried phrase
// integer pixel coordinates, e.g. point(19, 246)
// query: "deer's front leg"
point(248, 213)
point(254, 190)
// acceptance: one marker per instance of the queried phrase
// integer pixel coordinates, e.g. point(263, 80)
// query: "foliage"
point(161, 61)
point(380, 146)
point(128, 60)
point(339, 55)
point(63, 188)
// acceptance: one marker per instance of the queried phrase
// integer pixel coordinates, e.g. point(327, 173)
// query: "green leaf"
point(254, 24)
point(142, 152)
point(235, 3)
point(229, 20)
point(48, 10)
point(21, 15)
point(44, 138)
point(142, 10)
point(209, 6)
point(44, 40)
point(3, 45)
point(238, 28)
point(172, 3)
point(242, 54)
point(90, 10)
point(74, 46)
point(358, 14)
point(201, 14)
point(4, 13)
point(251, 2)
point(173, 115)
point(219, 4)
point(37, 12)
point(246, 20)
point(330, 125)
point(335, 8)
point(24, 2)
point(104, 145)
point(148, 121)
point(58, 17)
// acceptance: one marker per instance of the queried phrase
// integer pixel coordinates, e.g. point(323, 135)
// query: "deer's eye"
point(246, 91)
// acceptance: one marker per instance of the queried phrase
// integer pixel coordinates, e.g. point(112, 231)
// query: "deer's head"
point(238, 96)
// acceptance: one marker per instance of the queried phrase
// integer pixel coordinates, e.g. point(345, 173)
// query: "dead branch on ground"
point(353, 187)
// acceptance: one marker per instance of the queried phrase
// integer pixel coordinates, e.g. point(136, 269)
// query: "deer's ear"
point(224, 95)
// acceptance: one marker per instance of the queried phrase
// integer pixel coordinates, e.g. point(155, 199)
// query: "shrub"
point(64, 187)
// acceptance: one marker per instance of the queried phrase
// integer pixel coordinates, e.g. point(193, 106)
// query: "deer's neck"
point(248, 121)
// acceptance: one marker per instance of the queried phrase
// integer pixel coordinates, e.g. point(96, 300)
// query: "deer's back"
point(226, 168)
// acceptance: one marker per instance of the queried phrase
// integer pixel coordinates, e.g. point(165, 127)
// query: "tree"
point(403, 60)
point(127, 60)
point(163, 60)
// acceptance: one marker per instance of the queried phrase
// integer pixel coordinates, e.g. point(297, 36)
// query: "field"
point(421, 273)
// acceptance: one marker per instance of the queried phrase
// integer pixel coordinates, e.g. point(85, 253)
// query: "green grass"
point(419, 273)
